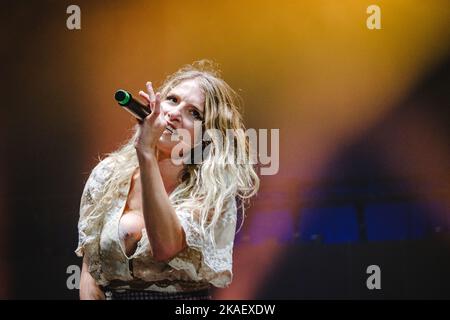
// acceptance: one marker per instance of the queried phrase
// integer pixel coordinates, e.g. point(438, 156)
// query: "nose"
point(174, 114)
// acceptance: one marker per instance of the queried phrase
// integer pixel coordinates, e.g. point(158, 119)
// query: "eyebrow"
point(178, 96)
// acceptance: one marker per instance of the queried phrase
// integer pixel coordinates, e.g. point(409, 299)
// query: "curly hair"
point(205, 188)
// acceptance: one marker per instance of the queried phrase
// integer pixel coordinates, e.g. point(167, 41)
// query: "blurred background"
point(363, 118)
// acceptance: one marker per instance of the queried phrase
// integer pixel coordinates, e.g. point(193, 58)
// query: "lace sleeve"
point(90, 223)
point(200, 260)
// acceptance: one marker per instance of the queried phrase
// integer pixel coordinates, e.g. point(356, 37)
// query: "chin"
point(165, 145)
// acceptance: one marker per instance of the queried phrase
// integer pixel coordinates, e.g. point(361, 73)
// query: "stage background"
point(363, 118)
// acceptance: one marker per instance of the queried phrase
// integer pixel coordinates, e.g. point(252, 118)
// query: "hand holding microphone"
point(150, 119)
point(133, 106)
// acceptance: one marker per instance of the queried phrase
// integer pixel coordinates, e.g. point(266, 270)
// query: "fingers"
point(154, 100)
point(150, 91)
point(157, 103)
point(145, 96)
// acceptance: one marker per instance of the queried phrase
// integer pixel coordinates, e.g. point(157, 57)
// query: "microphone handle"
point(133, 106)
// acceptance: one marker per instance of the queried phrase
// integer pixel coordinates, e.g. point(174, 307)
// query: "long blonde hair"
point(219, 180)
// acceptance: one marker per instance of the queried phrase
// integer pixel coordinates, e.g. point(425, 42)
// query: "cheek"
point(164, 107)
point(195, 135)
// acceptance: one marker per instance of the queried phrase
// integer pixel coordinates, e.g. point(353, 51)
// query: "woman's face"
point(183, 108)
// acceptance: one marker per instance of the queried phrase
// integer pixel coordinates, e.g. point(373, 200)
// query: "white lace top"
point(196, 267)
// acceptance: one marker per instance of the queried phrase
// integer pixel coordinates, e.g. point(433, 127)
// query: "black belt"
point(129, 294)
point(138, 284)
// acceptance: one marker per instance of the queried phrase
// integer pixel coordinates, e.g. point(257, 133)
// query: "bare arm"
point(89, 290)
point(165, 233)
point(163, 228)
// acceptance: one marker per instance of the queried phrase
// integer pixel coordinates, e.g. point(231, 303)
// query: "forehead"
point(190, 92)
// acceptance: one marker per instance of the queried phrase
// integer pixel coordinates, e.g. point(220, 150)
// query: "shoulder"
point(100, 174)
point(103, 169)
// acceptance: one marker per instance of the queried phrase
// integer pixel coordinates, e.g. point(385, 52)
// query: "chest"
point(134, 198)
point(131, 221)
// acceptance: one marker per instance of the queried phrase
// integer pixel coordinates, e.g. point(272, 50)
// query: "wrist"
point(146, 155)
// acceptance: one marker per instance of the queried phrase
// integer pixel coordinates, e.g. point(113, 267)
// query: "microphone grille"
point(122, 96)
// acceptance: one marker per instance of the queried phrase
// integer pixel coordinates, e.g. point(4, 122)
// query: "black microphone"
point(139, 110)
point(133, 106)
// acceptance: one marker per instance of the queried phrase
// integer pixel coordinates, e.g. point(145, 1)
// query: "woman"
point(154, 228)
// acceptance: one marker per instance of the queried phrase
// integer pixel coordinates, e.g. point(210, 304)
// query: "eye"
point(172, 98)
point(196, 114)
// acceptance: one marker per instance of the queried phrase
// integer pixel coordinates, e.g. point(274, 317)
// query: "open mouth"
point(173, 132)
